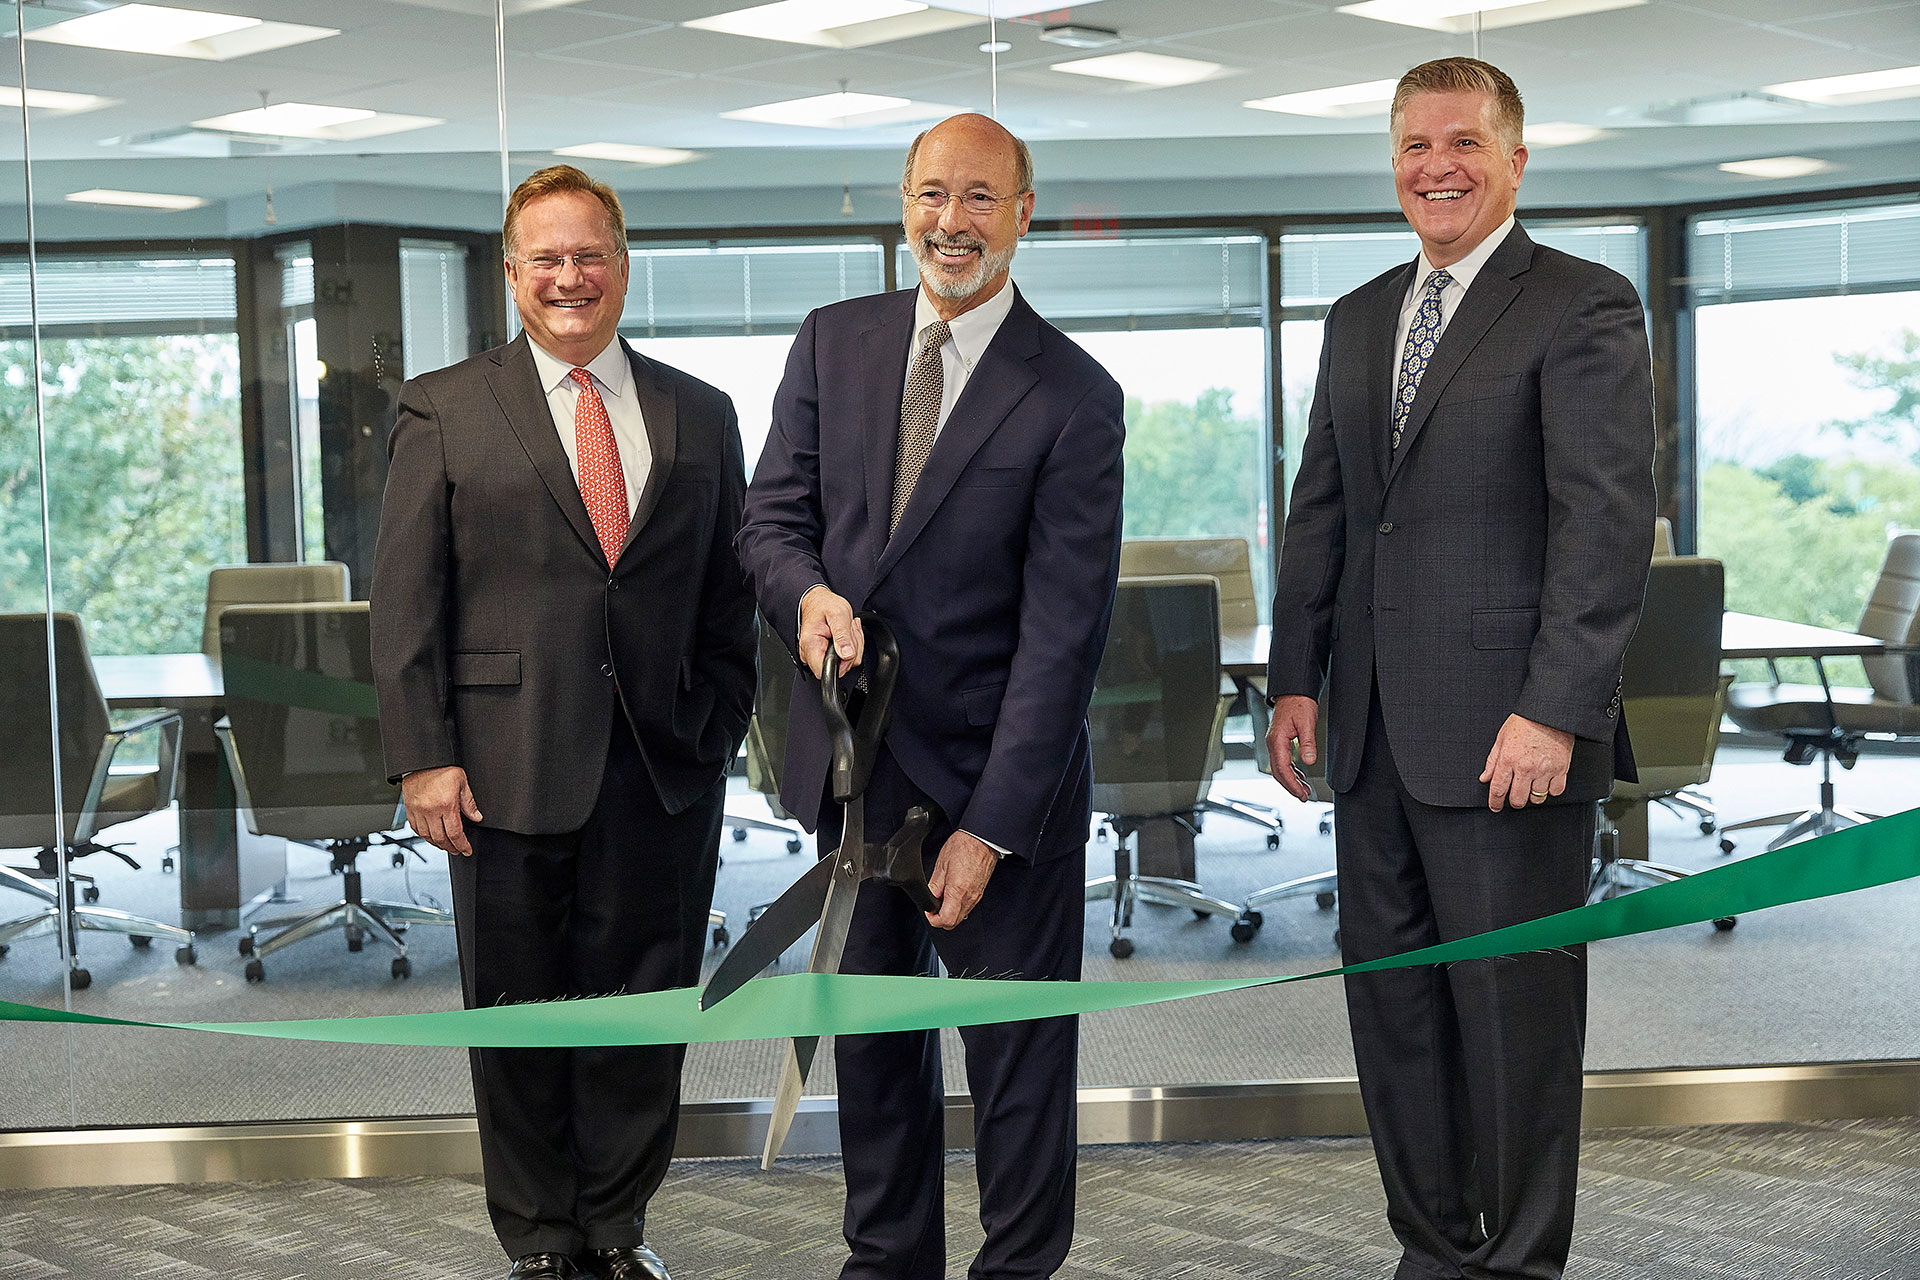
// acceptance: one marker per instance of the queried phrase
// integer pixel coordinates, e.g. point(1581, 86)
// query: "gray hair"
point(1022, 159)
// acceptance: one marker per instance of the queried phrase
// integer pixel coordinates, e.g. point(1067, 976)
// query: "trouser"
point(1028, 924)
point(574, 1142)
point(1471, 1072)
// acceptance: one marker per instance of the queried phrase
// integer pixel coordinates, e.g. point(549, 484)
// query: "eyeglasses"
point(590, 262)
point(977, 203)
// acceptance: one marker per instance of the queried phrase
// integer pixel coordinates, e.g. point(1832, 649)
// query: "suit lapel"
point(659, 409)
point(883, 354)
point(997, 384)
point(515, 382)
point(1493, 291)
point(1380, 322)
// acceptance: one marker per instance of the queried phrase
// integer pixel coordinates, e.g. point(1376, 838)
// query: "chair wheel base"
point(186, 955)
point(793, 845)
point(739, 835)
point(246, 944)
point(1708, 826)
point(1246, 926)
point(1120, 948)
point(1324, 901)
point(256, 972)
point(1273, 840)
point(356, 938)
point(1726, 845)
point(82, 979)
point(140, 941)
point(166, 863)
point(3, 950)
point(1326, 826)
point(91, 893)
point(402, 967)
point(1724, 923)
point(721, 936)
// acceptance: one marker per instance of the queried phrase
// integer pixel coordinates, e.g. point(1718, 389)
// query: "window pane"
point(1809, 448)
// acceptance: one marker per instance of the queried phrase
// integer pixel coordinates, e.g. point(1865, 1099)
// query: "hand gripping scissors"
point(827, 892)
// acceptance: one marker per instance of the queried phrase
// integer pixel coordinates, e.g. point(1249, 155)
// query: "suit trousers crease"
point(1021, 1075)
point(575, 1141)
point(1470, 1073)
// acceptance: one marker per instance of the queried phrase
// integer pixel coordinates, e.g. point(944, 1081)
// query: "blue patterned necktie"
point(1422, 336)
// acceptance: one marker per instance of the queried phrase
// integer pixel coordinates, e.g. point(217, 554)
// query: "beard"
point(938, 276)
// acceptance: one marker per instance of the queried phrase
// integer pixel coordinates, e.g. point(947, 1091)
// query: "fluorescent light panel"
point(136, 199)
point(1560, 133)
point(838, 111)
point(312, 120)
point(1778, 167)
point(1846, 91)
point(55, 102)
point(178, 33)
point(1156, 69)
point(627, 153)
point(1456, 16)
point(1341, 102)
point(833, 24)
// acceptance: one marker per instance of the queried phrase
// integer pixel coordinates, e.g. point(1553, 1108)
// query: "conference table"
point(222, 866)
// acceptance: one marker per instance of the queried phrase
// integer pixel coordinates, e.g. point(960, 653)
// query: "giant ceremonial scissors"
point(827, 892)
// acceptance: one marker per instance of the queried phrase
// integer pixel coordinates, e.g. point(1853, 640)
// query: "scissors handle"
point(901, 864)
point(856, 747)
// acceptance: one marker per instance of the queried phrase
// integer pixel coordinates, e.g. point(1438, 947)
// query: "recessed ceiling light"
point(1077, 35)
point(178, 33)
point(1340, 102)
point(1457, 16)
point(837, 110)
point(311, 120)
point(1778, 167)
point(1155, 69)
point(52, 101)
point(136, 199)
point(833, 24)
point(1843, 91)
point(629, 153)
point(1560, 133)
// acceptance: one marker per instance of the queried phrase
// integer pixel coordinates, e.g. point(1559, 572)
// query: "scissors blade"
point(849, 864)
point(781, 925)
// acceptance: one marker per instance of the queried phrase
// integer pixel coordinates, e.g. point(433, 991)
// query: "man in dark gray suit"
point(1467, 549)
point(563, 641)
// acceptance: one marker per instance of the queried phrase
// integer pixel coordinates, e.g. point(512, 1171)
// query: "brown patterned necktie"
point(919, 417)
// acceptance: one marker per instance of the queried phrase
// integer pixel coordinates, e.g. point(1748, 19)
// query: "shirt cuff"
point(1004, 853)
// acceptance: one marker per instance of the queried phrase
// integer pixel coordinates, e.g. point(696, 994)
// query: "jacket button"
point(1369, 611)
point(613, 584)
point(606, 668)
point(1386, 527)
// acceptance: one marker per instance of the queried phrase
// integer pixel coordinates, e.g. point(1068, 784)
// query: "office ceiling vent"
point(1078, 35)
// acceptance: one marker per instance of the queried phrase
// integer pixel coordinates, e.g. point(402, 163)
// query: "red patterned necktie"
point(601, 482)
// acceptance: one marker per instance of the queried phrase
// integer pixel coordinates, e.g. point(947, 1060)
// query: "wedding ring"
point(1537, 795)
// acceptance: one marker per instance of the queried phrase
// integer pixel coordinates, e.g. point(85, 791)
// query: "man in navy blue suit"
point(944, 457)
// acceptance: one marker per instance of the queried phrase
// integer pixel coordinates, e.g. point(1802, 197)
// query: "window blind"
point(682, 291)
point(1138, 281)
point(1797, 252)
point(296, 275)
point(186, 295)
point(435, 328)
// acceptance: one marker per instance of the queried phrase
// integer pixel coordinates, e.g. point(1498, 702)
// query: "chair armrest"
point(167, 764)
point(242, 798)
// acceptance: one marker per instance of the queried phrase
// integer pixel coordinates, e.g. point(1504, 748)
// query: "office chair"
point(302, 739)
point(767, 742)
point(1228, 561)
point(94, 794)
point(1672, 695)
point(1323, 885)
point(1155, 723)
point(322, 581)
point(1831, 723)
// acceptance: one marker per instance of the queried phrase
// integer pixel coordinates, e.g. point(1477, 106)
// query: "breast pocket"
point(1468, 390)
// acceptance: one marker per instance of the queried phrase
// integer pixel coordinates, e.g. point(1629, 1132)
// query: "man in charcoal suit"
point(564, 652)
point(1466, 549)
point(948, 459)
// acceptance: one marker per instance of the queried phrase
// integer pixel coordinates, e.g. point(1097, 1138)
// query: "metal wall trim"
point(449, 1145)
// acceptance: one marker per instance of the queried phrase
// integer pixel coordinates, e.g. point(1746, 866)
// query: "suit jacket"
point(502, 641)
point(1495, 562)
point(998, 582)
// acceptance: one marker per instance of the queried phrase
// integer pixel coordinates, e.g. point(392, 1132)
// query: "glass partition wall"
point(244, 240)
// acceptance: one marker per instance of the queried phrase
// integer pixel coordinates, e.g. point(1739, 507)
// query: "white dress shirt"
point(967, 339)
point(613, 378)
point(1462, 272)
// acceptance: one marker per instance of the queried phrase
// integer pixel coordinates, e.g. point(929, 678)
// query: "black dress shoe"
point(543, 1266)
point(628, 1262)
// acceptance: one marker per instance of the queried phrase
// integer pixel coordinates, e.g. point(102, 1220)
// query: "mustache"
point(940, 239)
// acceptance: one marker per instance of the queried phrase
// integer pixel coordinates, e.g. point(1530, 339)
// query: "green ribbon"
point(812, 1004)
